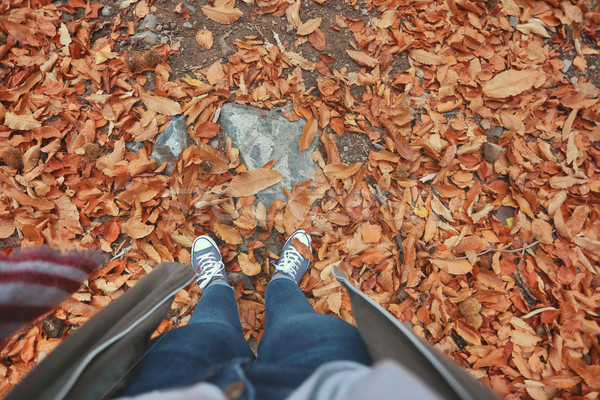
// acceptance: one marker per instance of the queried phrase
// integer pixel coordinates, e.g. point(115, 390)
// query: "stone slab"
point(263, 135)
point(171, 142)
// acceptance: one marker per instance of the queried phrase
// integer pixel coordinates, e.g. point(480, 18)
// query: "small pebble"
point(173, 25)
point(568, 64)
point(148, 23)
point(485, 124)
point(346, 148)
point(338, 7)
point(494, 133)
point(214, 143)
point(163, 39)
point(513, 21)
point(187, 25)
point(574, 80)
point(106, 11)
point(189, 7)
point(491, 152)
point(364, 11)
point(159, 28)
point(149, 38)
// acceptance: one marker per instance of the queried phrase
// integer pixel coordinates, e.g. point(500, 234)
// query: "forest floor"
point(458, 164)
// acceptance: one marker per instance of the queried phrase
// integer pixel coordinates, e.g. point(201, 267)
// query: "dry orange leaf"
point(317, 39)
point(387, 19)
point(25, 200)
point(20, 122)
point(249, 267)
point(251, 182)
point(134, 227)
point(214, 73)
point(205, 38)
point(7, 227)
point(142, 9)
point(228, 233)
point(454, 267)
point(303, 249)
point(512, 82)
point(222, 14)
point(425, 57)
point(308, 134)
point(341, 171)
point(362, 58)
point(371, 233)
point(309, 26)
point(160, 104)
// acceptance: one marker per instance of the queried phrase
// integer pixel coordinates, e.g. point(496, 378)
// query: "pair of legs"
point(212, 348)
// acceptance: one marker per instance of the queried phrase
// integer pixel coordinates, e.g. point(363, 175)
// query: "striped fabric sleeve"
point(34, 281)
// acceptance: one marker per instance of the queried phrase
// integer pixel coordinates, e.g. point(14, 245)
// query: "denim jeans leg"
point(189, 354)
point(296, 336)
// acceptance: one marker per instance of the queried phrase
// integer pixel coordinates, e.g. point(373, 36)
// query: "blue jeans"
point(212, 348)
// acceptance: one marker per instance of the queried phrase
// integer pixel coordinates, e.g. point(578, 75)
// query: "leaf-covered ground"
point(458, 179)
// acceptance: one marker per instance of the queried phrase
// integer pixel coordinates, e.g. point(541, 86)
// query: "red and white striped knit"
point(34, 281)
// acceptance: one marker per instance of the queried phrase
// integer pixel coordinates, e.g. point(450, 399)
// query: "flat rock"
point(171, 142)
point(491, 152)
point(263, 135)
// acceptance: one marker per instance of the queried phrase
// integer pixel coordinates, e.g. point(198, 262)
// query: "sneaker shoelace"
point(210, 268)
point(290, 262)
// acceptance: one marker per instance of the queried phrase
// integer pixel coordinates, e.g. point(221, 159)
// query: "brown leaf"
point(214, 73)
point(542, 231)
point(318, 40)
point(20, 122)
point(425, 57)
point(134, 227)
point(589, 373)
point(222, 14)
point(387, 19)
point(309, 26)
point(142, 9)
point(371, 233)
point(303, 249)
point(454, 267)
point(25, 200)
point(251, 182)
point(228, 233)
point(249, 267)
point(341, 171)
point(308, 134)
point(512, 82)
point(7, 227)
point(160, 104)
point(205, 38)
point(362, 58)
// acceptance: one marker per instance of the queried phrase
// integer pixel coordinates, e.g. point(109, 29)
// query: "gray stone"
point(513, 21)
point(134, 147)
point(491, 152)
point(240, 276)
point(187, 24)
point(171, 142)
point(485, 124)
point(568, 64)
point(263, 135)
point(494, 133)
point(159, 27)
point(189, 7)
point(148, 23)
point(146, 37)
point(106, 11)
